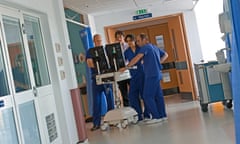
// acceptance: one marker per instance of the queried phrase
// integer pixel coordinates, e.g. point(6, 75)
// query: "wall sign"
point(51, 126)
point(142, 16)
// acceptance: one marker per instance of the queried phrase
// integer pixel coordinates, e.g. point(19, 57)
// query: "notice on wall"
point(160, 41)
point(166, 77)
point(51, 127)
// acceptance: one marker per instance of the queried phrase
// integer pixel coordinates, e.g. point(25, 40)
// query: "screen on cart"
point(115, 56)
point(99, 59)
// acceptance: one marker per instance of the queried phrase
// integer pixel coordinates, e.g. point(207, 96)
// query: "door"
point(178, 79)
point(136, 31)
point(29, 83)
point(159, 36)
point(8, 128)
point(182, 57)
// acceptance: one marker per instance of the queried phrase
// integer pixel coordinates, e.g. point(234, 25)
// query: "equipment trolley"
point(213, 86)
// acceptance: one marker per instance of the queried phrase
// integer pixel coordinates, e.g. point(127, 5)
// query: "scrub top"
point(129, 55)
point(151, 60)
point(92, 70)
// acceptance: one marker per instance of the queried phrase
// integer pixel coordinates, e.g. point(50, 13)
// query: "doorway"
point(168, 33)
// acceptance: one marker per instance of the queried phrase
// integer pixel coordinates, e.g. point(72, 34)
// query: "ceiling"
point(96, 7)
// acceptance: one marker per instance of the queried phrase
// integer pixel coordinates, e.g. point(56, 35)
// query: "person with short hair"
point(123, 85)
point(137, 78)
point(152, 92)
point(99, 91)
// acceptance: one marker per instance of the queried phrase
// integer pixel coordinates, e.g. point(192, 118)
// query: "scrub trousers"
point(108, 91)
point(135, 94)
point(99, 92)
point(153, 97)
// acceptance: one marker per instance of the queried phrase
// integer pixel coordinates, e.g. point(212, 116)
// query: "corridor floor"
point(186, 124)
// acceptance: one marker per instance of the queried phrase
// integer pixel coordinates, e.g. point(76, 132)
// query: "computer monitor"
point(114, 53)
point(99, 59)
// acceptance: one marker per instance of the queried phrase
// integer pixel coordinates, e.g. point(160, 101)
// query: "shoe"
point(95, 128)
point(146, 119)
point(164, 119)
point(152, 121)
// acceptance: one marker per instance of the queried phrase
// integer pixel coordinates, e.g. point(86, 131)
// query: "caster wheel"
point(224, 103)
point(229, 105)
point(135, 119)
point(104, 127)
point(124, 124)
point(204, 107)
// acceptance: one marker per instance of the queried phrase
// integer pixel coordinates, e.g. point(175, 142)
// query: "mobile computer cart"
point(213, 86)
point(107, 65)
point(120, 116)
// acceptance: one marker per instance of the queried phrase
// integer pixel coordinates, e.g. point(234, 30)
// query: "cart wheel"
point(229, 104)
point(204, 107)
point(224, 102)
point(124, 124)
point(104, 126)
point(135, 119)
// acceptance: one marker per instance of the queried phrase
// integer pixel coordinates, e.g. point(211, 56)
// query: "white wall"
point(193, 36)
point(207, 19)
point(117, 17)
point(53, 12)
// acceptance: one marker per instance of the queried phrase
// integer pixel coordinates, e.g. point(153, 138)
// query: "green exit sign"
point(141, 11)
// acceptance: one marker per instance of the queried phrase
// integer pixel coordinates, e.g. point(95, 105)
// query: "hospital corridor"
point(186, 124)
point(119, 72)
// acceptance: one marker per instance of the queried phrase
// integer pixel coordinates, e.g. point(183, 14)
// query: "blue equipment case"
point(213, 86)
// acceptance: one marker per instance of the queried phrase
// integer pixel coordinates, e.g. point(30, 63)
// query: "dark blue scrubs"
point(136, 83)
point(152, 92)
point(108, 91)
point(99, 92)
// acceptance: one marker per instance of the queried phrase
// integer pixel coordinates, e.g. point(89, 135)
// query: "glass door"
point(22, 82)
point(8, 129)
point(42, 87)
point(28, 82)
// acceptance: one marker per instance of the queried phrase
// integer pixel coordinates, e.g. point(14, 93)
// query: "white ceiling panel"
point(105, 6)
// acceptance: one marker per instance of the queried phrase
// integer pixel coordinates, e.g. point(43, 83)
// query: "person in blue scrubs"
point(152, 93)
point(99, 91)
point(108, 89)
point(137, 76)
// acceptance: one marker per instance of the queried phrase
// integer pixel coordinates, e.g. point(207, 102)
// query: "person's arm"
point(90, 63)
point(89, 60)
point(163, 58)
point(132, 62)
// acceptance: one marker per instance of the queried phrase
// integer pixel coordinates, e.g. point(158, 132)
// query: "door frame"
point(110, 30)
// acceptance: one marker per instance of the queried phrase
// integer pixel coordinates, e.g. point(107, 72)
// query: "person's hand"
point(122, 70)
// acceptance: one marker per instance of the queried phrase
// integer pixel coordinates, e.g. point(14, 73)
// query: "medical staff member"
point(108, 90)
point(152, 92)
point(137, 76)
point(98, 90)
point(123, 85)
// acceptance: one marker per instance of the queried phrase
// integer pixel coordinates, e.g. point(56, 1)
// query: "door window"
point(16, 53)
point(29, 123)
point(8, 132)
point(4, 90)
point(36, 48)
